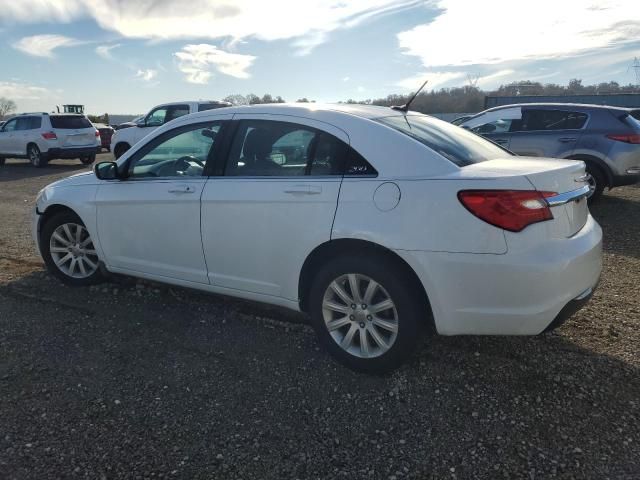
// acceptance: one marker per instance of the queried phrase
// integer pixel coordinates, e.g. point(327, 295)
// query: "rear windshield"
point(69, 121)
point(454, 143)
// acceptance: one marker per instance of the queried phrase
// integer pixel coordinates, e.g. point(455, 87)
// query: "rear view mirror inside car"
point(207, 132)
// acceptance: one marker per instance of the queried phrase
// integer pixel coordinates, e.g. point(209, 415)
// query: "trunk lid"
point(547, 175)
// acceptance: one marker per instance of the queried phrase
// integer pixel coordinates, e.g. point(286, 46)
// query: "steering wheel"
point(186, 162)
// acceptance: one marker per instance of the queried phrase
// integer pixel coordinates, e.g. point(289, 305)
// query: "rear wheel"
point(597, 182)
point(88, 160)
point(120, 149)
point(366, 312)
point(36, 157)
point(68, 250)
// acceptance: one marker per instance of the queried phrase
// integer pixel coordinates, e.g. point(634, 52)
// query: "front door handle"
point(567, 139)
point(304, 190)
point(182, 189)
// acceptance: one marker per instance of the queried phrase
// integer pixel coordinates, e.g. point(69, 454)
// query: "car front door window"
point(157, 117)
point(179, 153)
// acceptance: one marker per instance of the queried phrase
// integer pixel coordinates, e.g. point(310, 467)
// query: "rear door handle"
point(182, 189)
point(304, 190)
point(567, 139)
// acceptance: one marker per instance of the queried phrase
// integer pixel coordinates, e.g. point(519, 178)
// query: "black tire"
point(120, 149)
point(2, 161)
point(411, 310)
point(50, 225)
point(88, 160)
point(36, 157)
point(599, 182)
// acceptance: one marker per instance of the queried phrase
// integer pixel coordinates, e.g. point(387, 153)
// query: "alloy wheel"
point(72, 251)
point(360, 315)
point(34, 156)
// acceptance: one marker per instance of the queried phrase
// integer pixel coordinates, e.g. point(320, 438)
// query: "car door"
point(8, 142)
point(25, 131)
point(158, 117)
point(149, 223)
point(273, 204)
point(547, 133)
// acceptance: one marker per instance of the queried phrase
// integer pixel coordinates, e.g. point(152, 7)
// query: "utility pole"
point(636, 67)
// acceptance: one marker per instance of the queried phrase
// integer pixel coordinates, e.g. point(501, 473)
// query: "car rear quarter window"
point(536, 120)
point(69, 121)
point(455, 144)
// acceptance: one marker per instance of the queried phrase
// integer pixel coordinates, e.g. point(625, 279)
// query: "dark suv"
point(606, 138)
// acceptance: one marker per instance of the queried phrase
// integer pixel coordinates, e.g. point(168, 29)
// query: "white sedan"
point(381, 224)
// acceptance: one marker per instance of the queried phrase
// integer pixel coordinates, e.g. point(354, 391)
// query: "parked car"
point(124, 139)
point(2, 122)
point(606, 138)
point(106, 132)
point(40, 137)
point(379, 224)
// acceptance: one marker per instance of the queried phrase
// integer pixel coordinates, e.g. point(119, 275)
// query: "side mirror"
point(141, 123)
point(106, 170)
point(207, 132)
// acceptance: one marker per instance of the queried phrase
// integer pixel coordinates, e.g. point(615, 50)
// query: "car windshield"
point(69, 121)
point(454, 143)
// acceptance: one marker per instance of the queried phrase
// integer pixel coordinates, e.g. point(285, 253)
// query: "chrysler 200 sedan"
point(380, 224)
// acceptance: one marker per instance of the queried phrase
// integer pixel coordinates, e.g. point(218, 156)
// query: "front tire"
point(88, 160)
point(366, 312)
point(597, 182)
point(68, 250)
point(36, 157)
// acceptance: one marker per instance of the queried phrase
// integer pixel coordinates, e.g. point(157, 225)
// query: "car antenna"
point(405, 107)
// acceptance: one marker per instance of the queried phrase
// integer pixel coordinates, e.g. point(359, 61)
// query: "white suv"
point(41, 137)
point(125, 138)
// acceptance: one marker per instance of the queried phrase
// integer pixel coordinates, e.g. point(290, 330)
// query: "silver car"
point(606, 138)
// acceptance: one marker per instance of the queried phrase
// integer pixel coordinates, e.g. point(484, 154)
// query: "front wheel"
point(366, 312)
point(88, 160)
point(68, 250)
point(36, 157)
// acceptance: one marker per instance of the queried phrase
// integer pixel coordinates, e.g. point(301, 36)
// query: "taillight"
point(512, 210)
point(49, 136)
point(631, 138)
point(97, 133)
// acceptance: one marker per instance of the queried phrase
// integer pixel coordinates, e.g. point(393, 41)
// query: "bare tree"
point(7, 106)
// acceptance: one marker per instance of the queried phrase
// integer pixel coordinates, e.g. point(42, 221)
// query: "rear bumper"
point(72, 152)
point(570, 308)
point(510, 294)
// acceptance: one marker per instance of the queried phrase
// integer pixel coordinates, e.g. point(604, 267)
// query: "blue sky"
point(120, 56)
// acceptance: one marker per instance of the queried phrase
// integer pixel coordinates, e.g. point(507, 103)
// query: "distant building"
point(630, 100)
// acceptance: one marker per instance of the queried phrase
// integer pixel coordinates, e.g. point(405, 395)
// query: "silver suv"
point(606, 138)
point(40, 137)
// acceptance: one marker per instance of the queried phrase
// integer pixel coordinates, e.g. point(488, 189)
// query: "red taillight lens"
point(49, 136)
point(633, 138)
point(97, 133)
point(512, 210)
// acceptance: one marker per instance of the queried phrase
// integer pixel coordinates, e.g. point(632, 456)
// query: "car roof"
point(309, 109)
point(560, 105)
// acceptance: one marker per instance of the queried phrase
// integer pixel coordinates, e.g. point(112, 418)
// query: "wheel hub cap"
point(360, 315)
point(72, 251)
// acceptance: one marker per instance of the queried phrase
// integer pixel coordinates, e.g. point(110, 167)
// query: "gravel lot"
point(131, 380)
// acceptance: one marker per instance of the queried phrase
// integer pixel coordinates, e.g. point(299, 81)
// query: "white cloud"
point(22, 91)
point(346, 79)
point(307, 22)
point(467, 33)
point(436, 79)
point(197, 61)
point(44, 45)
point(147, 74)
point(494, 79)
point(105, 51)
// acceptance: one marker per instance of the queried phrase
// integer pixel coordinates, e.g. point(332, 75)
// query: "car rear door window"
point(210, 106)
point(35, 123)
point(536, 120)
point(266, 148)
point(69, 122)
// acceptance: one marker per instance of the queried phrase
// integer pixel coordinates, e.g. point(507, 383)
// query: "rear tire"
point(88, 160)
point(597, 182)
point(366, 336)
point(120, 149)
point(2, 161)
point(36, 157)
point(68, 250)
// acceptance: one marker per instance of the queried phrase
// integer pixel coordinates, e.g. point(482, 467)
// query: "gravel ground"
point(133, 380)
